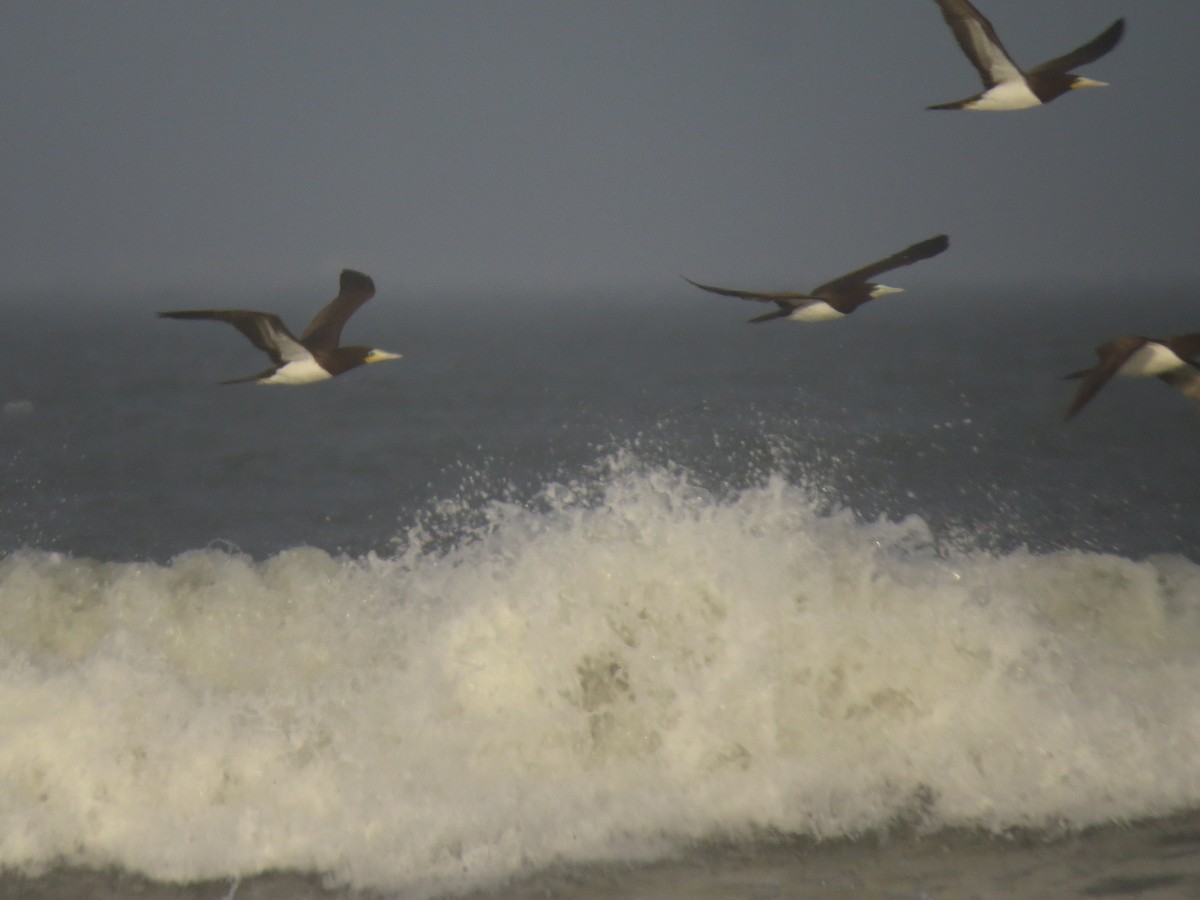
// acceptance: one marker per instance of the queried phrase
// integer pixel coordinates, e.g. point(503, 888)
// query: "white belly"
point(301, 371)
point(1006, 95)
point(815, 312)
point(1150, 359)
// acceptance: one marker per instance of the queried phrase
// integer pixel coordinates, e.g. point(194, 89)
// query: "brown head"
point(343, 359)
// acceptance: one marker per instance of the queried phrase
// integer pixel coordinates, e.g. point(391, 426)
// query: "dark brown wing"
point(1185, 380)
point(781, 297)
point(1089, 52)
point(1112, 355)
point(1185, 346)
point(906, 257)
point(979, 41)
point(266, 331)
point(325, 330)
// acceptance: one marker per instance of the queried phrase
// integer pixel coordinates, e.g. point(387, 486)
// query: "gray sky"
point(563, 144)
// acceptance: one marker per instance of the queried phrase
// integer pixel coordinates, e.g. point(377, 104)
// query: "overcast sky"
point(549, 145)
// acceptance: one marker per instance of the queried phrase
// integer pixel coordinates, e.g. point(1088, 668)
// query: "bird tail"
point(773, 314)
point(258, 377)
point(957, 104)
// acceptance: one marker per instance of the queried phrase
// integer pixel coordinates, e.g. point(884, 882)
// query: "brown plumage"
point(1175, 360)
point(838, 297)
point(315, 355)
point(1006, 86)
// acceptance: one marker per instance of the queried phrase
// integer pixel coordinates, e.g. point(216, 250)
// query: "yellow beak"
point(379, 356)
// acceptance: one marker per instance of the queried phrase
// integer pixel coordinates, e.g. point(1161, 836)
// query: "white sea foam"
point(583, 681)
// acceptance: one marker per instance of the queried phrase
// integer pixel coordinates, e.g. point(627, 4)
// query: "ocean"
point(599, 595)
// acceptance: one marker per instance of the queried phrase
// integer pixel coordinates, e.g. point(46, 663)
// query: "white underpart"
point(1150, 359)
point(300, 371)
point(820, 311)
point(882, 290)
point(1006, 95)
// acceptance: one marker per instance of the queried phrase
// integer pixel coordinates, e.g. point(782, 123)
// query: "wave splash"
point(610, 672)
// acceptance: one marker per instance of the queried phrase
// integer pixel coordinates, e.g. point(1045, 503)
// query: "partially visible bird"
point(839, 297)
point(315, 355)
point(1005, 85)
point(1175, 360)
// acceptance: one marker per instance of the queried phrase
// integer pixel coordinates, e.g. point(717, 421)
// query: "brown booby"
point(839, 297)
point(315, 356)
point(1175, 360)
point(1005, 85)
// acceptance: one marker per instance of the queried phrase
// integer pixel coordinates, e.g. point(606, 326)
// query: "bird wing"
point(979, 42)
point(906, 257)
point(1112, 355)
point(266, 331)
point(1089, 52)
point(791, 299)
point(1185, 346)
point(1185, 380)
point(325, 330)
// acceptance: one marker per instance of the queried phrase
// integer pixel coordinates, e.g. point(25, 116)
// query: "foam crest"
point(615, 669)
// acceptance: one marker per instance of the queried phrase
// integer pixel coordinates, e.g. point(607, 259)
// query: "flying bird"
point(1005, 85)
point(315, 356)
point(1175, 360)
point(839, 297)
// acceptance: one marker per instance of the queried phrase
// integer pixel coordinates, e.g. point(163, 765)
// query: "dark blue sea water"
point(587, 578)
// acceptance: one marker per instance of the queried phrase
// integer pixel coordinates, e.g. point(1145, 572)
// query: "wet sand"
point(1158, 859)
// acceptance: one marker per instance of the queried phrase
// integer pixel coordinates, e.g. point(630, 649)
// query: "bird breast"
point(302, 371)
point(1150, 359)
point(1006, 95)
point(820, 311)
